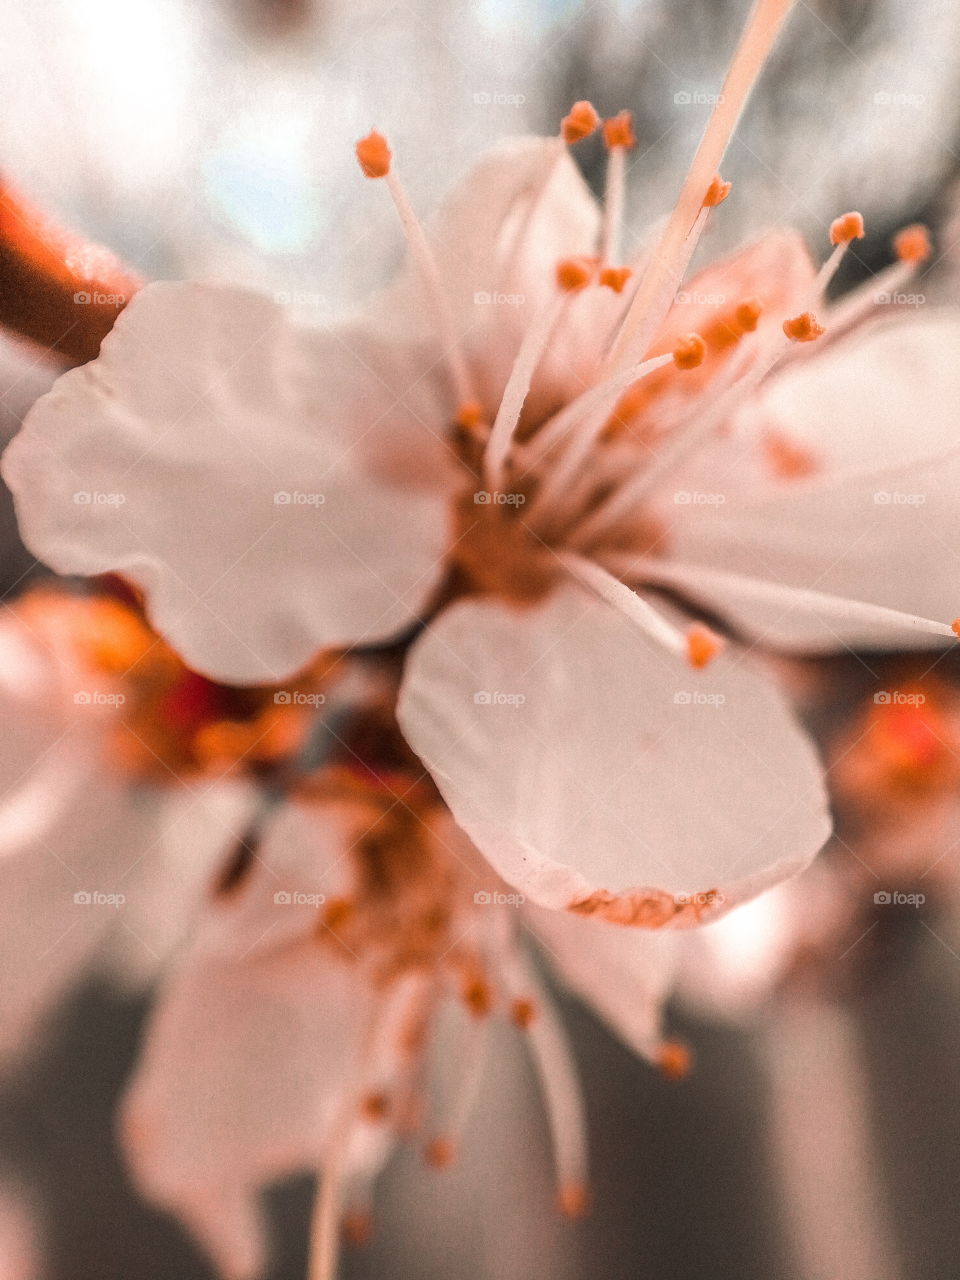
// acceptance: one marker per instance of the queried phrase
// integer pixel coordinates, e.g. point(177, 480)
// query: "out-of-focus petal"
point(251, 1048)
point(69, 830)
point(598, 772)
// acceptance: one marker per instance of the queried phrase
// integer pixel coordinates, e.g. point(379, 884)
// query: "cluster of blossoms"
point(451, 615)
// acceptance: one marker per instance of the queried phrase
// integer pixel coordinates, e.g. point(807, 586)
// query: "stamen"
point(689, 352)
point(441, 1151)
point(375, 1107)
point(325, 1225)
point(589, 413)
point(703, 645)
point(618, 132)
point(717, 192)
point(748, 313)
point(912, 248)
point(645, 314)
point(375, 159)
point(534, 344)
point(630, 497)
point(613, 199)
point(573, 1200)
point(615, 277)
point(788, 460)
point(374, 155)
point(574, 274)
point(652, 624)
point(522, 1012)
point(955, 627)
point(562, 1096)
point(358, 1227)
point(469, 416)
point(912, 244)
point(803, 328)
point(843, 231)
point(477, 996)
point(674, 1060)
point(849, 226)
point(582, 120)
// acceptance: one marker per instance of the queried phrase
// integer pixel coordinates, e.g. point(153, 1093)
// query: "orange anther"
point(469, 415)
point(618, 131)
point(803, 328)
point(357, 1227)
point(912, 244)
point(689, 352)
point(374, 155)
point(717, 192)
point(375, 1107)
point(955, 627)
point(572, 1199)
point(337, 912)
point(477, 997)
point(523, 1013)
point(615, 277)
point(575, 273)
point(849, 226)
point(440, 1153)
point(673, 1060)
point(747, 314)
point(703, 645)
point(580, 123)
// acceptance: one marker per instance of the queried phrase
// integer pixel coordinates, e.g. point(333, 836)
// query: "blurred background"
point(817, 1137)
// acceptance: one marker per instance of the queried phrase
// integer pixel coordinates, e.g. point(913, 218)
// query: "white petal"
point(624, 974)
point(597, 771)
point(881, 522)
point(211, 456)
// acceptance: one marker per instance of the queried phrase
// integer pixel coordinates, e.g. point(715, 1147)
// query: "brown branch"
point(57, 289)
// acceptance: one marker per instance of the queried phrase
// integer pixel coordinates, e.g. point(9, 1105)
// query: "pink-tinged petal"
point(497, 239)
point(211, 456)
point(252, 1046)
point(879, 521)
point(624, 974)
point(194, 828)
point(598, 772)
point(776, 270)
point(791, 618)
